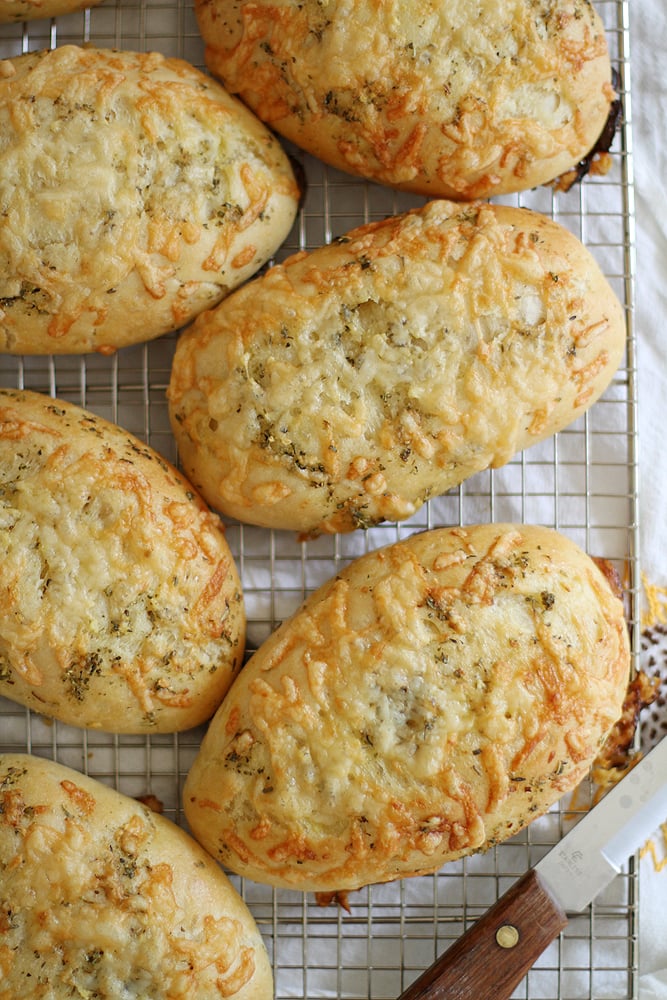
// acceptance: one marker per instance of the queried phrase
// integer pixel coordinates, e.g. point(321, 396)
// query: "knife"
point(510, 937)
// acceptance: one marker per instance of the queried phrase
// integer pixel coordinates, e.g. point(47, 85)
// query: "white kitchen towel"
point(649, 117)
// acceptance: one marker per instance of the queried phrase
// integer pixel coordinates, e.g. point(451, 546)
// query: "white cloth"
point(654, 987)
point(648, 28)
point(649, 116)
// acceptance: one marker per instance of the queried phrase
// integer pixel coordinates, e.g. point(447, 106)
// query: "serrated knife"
point(492, 958)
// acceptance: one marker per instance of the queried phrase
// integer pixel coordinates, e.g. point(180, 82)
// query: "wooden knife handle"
point(492, 958)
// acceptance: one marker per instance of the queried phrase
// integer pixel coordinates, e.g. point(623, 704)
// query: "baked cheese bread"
point(102, 898)
point(12, 11)
point(444, 97)
point(347, 386)
point(135, 192)
point(120, 604)
point(428, 702)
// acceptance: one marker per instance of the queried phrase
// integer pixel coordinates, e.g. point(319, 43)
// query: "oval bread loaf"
point(428, 702)
point(12, 11)
point(443, 97)
point(134, 193)
point(120, 604)
point(351, 384)
point(100, 897)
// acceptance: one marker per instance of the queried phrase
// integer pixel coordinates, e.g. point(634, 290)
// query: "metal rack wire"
point(582, 482)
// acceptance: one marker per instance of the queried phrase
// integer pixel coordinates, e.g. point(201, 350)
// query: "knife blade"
point(493, 956)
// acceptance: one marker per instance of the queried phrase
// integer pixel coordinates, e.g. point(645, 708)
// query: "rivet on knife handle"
point(492, 958)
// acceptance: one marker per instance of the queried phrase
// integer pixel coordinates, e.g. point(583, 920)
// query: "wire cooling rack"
point(582, 482)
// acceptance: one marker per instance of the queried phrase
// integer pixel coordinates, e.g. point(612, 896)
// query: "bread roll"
point(120, 604)
point(135, 192)
point(444, 97)
point(351, 384)
point(100, 897)
point(29, 10)
point(428, 702)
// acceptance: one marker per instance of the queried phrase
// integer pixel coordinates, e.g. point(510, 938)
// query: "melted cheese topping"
point(353, 383)
point(120, 606)
point(428, 702)
point(126, 178)
point(446, 98)
point(27, 10)
point(101, 900)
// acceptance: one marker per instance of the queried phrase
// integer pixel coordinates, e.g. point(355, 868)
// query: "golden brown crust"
point(447, 99)
point(12, 11)
point(428, 702)
point(99, 897)
point(348, 385)
point(120, 604)
point(135, 192)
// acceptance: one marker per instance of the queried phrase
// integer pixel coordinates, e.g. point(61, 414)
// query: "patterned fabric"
point(653, 662)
